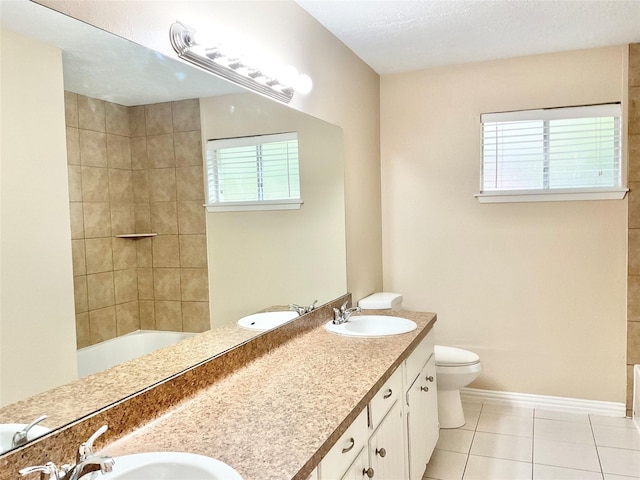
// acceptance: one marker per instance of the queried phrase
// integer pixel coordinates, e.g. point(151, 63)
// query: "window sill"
point(255, 206)
point(524, 196)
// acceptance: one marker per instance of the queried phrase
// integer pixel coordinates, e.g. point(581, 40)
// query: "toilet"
point(455, 367)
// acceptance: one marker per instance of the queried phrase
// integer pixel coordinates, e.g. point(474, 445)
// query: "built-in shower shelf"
point(135, 236)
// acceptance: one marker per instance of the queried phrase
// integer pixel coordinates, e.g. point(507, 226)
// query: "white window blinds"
point(552, 150)
point(253, 173)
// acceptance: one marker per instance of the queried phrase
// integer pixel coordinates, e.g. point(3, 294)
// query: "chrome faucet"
point(87, 462)
point(302, 310)
point(20, 437)
point(342, 316)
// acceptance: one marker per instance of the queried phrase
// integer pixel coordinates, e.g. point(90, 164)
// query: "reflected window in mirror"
point(253, 173)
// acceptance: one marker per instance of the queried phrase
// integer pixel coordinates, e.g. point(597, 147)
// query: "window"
point(552, 154)
point(253, 173)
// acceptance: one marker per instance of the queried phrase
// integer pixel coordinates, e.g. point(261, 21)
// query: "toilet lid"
point(450, 356)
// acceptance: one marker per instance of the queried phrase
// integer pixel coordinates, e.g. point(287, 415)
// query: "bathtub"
point(109, 353)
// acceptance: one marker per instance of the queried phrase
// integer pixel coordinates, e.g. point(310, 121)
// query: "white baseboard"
point(547, 402)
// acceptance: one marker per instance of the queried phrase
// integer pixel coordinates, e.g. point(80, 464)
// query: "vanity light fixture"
point(281, 85)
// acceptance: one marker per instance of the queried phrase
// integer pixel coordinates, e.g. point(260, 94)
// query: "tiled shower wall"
point(136, 170)
point(633, 281)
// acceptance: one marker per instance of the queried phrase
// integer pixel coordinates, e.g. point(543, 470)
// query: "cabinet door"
point(358, 469)
point(386, 446)
point(422, 420)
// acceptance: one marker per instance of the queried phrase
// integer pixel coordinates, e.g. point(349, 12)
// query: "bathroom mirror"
point(255, 260)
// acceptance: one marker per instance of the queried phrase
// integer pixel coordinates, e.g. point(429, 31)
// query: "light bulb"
point(303, 84)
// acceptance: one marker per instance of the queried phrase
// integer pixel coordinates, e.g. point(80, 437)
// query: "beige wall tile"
point(83, 333)
point(633, 342)
point(140, 185)
point(78, 257)
point(120, 186)
point(93, 148)
point(97, 220)
point(91, 113)
point(188, 148)
point(634, 111)
point(160, 151)
point(634, 251)
point(166, 251)
point(633, 297)
point(102, 323)
point(126, 285)
point(191, 217)
point(100, 290)
point(137, 122)
point(76, 213)
point(145, 284)
point(80, 294)
point(75, 183)
point(158, 118)
point(634, 204)
point(127, 318)
point(164, 217)
point(71, 109)
point(193, 250)
point(143, 217)
point(95, 184)
point(195, 284)
point(629, 390)
point(99, 255)
point(190, 183)
point(186, 115)
point(195, 316)
point(162, 184)
point(147, 315)
point(634, 157)
point(144, 252)
point(117, 119)
point(166, 283)
point(124, 253)
point(139, 159)
point(73, 146)
point(122, 218)
point(118, 152)
point(634, 65)
point(168, 316)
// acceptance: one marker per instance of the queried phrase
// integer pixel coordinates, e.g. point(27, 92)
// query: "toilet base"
point(450, 413)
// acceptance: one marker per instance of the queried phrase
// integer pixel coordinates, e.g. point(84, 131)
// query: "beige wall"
point(260, 259)
point(37, 307)
point(536, 289)
point(345, 91)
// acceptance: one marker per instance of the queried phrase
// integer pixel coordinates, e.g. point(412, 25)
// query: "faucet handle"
point(49, 468)
point(312, 306)
point(86, 448)
point(343, 308)
point(20, 437)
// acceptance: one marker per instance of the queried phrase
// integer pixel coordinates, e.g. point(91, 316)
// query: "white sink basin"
point(7, 430)
point(266, 320)
point(168, 466)
point(372, 326)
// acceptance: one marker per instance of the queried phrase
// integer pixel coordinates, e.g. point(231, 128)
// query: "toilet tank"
point(381, 301)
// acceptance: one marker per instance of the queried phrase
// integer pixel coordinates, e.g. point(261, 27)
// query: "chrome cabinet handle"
point(429, 378)
point(388, 394)
point(368, 472)
point(424, 389)
point(348, 449)
point(381, 451)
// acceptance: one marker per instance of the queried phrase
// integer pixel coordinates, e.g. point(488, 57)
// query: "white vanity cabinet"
point(387, 447)
point(421, 404)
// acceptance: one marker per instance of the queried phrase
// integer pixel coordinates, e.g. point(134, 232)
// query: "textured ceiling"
point(397, 35)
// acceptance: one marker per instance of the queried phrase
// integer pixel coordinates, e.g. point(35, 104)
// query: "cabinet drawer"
point(343, 453)
point(382, 402)
point(418, 358)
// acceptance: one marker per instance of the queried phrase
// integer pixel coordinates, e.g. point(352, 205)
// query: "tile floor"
point(512, 443)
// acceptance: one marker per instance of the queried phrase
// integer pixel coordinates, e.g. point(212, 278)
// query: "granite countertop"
point(277, 416)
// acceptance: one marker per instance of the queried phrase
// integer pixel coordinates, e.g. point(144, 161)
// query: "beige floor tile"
point(471, 406)
point(484, 468)
point(565, 454)
point(612, 421)
point(507, 410)
point(567, 417)
point(609, 476)
point(507, 447)
point(446, 465)
point(471, 420)
point(617, 437)
point(505, 424)
point(562, 431)
point(619, 461)
point(547, 472)
point(455, 440)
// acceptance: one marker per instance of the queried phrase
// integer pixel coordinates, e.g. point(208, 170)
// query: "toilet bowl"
point(455, 368)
